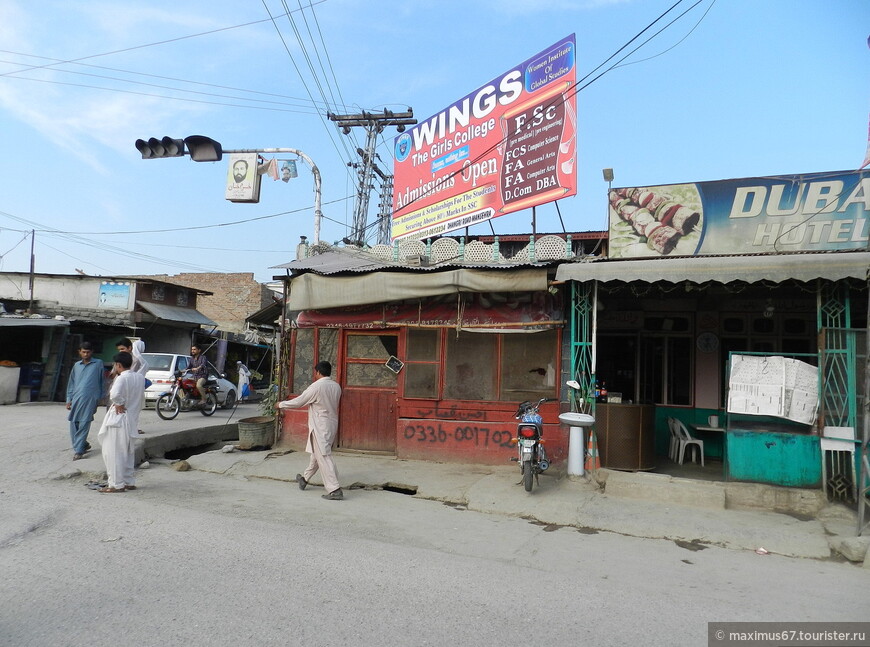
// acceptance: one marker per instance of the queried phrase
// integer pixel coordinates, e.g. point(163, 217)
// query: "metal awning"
point(175, 313)
point(832, 266)
point(313, 292)
point(27, 321)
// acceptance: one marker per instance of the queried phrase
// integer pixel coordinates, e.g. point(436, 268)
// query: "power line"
point(163, 87)
point(325, 51)
point(23, 238)
point(215, 249)
point(155, 76)
point(577, 87)
point(347, 156)
point(135, 47)
point(77, 238)
point(151, 231)
point(160, 96)
point(689, 33)
point(75, 258)
point(314, 73)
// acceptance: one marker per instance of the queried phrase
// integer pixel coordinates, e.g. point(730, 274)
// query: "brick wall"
point(235, 296)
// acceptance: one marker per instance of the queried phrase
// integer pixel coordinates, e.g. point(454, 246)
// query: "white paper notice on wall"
point(777, 386)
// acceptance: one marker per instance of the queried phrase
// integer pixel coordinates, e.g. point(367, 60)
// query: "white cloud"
point(54, 103)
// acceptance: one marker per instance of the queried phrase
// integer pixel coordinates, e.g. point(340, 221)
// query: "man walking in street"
point(322, 398)
point(83, 393)
point(120, 425)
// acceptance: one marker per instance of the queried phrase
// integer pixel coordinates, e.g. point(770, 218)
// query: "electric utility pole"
point(385, 206)
point(374, 123)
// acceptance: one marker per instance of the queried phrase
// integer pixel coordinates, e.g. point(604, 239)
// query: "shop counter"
point(626, 436)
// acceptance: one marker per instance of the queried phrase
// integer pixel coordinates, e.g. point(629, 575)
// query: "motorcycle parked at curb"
point(531, 454)
point(184, 396)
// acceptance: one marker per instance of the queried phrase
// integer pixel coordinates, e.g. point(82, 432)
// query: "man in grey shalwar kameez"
point(322, 398)
point(83, 393)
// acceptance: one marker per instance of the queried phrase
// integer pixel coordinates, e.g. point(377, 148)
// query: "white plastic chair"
point(674, 442)
point(685, 440)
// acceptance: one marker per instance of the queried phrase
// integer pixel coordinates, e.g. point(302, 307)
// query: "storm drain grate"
point(183, 453)
point(400, 489)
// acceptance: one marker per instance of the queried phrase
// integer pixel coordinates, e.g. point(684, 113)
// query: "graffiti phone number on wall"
point(471, 434)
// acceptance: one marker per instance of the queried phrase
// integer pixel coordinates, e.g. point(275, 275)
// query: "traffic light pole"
point(314, 171)
point(205, 149)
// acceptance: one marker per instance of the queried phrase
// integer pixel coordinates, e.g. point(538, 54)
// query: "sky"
point(733, 88)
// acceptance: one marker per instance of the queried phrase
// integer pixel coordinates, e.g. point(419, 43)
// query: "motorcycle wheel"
point(167, 407)
point(210, 405)
point(528, 475)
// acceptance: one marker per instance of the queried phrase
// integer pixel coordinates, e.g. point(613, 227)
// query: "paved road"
point(193, 558)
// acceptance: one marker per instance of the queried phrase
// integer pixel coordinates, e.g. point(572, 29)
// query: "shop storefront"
point(773, 269)
point(434, 361)
point(437, 376)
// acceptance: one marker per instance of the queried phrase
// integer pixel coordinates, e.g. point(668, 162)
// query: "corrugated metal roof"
point(344, 259)
point(175, 313)
point(723, 269)
point(339, 259)
point(14, 320)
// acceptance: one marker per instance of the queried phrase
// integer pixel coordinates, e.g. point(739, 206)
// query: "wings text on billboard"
point(508, 145)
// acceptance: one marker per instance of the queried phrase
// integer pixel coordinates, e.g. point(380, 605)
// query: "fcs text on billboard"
point(785, 213)
point(508, 145)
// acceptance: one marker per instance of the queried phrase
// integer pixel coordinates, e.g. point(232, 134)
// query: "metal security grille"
point(584, 296)
point(842, 350)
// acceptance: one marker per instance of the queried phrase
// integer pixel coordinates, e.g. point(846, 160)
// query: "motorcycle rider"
point(199, 370)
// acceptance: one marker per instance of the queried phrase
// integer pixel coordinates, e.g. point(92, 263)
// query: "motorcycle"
point(531, 454)
point(184, 396)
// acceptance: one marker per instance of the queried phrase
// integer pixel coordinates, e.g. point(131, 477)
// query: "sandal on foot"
point(78, 456)
point(130, 487)
point(105, 490)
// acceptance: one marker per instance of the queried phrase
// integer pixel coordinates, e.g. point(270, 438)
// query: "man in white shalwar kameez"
point(140, 365)
point(244, 387)
point(322, 398)
point(125, 397)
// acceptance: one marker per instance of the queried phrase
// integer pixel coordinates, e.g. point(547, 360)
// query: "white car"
point(161, 372)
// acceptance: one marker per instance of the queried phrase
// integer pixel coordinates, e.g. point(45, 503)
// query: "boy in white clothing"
point(117, 441)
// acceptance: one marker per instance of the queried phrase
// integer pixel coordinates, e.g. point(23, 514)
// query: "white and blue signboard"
point(114, 294)
point(788, 213)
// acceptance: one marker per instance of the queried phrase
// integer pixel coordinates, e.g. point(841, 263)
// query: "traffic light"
point(158, 148)
point(203, 149)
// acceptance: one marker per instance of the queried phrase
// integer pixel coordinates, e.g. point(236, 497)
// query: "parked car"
point(161, 371)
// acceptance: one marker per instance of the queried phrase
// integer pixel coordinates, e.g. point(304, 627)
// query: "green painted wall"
point(792, 460)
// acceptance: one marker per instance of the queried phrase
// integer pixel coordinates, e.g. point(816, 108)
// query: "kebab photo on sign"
point(654, 221)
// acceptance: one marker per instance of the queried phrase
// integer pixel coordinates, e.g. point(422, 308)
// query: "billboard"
point(508, 145)
point(114, 294)
point(243, 181)
point(784, 213)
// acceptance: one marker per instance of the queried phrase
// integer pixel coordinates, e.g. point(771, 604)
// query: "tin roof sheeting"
point(832, 266)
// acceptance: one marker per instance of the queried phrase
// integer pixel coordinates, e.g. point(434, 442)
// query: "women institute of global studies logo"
point(403, 147)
